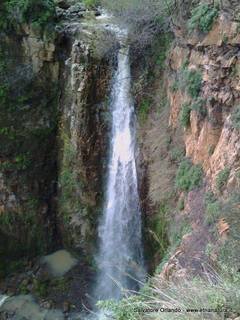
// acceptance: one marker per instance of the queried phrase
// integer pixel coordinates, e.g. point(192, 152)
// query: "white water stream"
point(120, 258)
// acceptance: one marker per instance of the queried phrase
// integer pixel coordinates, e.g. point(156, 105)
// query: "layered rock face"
point(198, 122)
point(29, 94)
point(211, 138)
point(54, 126)
point(84, 138)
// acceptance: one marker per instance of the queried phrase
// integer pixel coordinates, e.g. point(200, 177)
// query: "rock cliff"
point(192, 119)
point(54, 84)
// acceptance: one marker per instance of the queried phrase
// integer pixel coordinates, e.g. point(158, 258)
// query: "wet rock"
point(97, 13)
point(61, 13)
point(77, 8)
point(63, 4)
point(46, 304)
point(59, 263)
point(25, 307)
point(66, 306)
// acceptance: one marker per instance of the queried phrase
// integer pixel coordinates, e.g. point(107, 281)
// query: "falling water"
point(120, 259)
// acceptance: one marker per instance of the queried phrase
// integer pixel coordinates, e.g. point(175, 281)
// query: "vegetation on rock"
point(193, 80)
point(202, 17)
point(68, 181)
point(158, 230)
point(222, 178)
point(38, 12)
point(189, 81)
point(188, 176)
point(144, 109)
point(91, 3)
point(220, 293)
point(199, 105)
point(184, 116)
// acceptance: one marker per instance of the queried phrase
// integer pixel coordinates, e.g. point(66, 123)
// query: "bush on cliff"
point(184, 116)
point(144, 20)
point(91, 3)
point(199, 105)
point(193, 80)
point(203, 17)
point(222, 178)
point(38, 12)
point(188, 176)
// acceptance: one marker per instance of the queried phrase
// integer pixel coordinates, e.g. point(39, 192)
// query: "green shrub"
point(202, 17)
point(184, 116)
point(41, 288)
point(189, 294)
point(188, 176)
point(125, 309)
point(158, 229)
point(91, 3)
point(164, 43)
point(144, 109)
point(164, 260)
point(38, 12)
point(181, 204)
point(212, 212)
point(209, 198)
point(199, 106)
point(175, 86)
point(177, 154)
point(189, 81)
point(230, 251)
point(4, 91)
point(222, 178)
point(20, 162)
point(193, 80)
point(209, 249)
point(69, 183)
point(177, 231)
point(236, 118)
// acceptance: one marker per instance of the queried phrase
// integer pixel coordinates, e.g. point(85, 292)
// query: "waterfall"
point(120, 258)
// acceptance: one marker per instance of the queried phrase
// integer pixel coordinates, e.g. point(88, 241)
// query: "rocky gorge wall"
point(54, 127)
point(193, 126)
point(211, 137)
point(29, 95)
point(84, 139)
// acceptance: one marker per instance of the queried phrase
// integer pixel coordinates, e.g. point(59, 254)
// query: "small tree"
point(143, 20)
